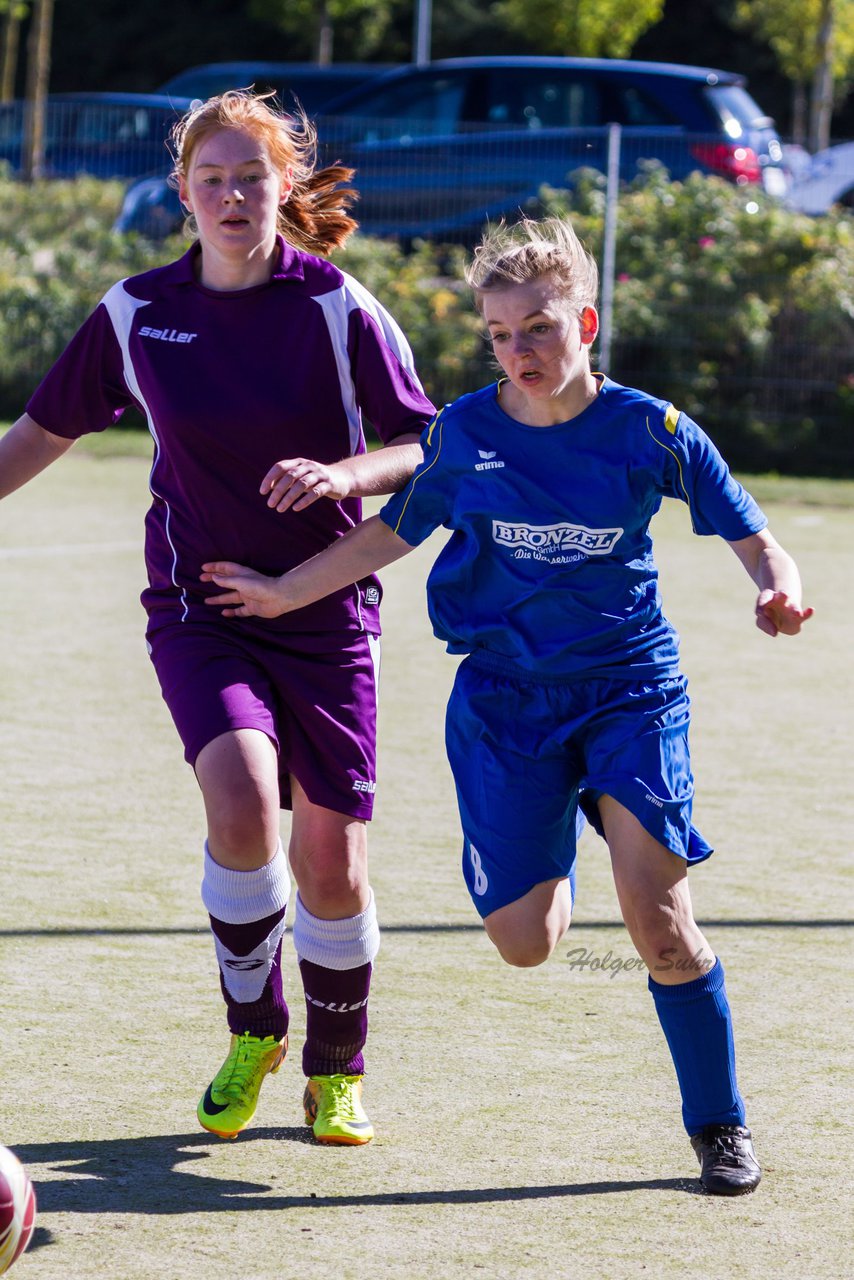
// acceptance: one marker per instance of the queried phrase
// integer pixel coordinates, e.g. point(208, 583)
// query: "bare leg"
point(687, 985)
point(652, 889)
point(238, 775)
point(336, 937)
point(527, 931)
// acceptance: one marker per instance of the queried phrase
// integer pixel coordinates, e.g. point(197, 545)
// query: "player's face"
point(543, 347)
point(234, 190)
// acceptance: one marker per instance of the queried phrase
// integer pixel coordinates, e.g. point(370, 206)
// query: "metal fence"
point(780, 394)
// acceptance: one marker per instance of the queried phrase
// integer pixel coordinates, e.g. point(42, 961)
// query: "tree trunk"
point(38, 75)
point(821, 105)
point(799, 114)
point(11, 35)
point(325, 36)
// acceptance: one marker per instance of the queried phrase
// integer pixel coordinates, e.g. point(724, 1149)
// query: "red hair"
point(314, 217)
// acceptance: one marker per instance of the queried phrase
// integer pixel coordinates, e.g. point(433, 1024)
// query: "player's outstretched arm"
point(779, 610)
point(298, 482)
point(25, 450)
point(369, 546)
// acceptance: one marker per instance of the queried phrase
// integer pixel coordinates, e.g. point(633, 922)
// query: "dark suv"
point(439, 149)
point(447, 145)
point(312, 84)
point(108, 135)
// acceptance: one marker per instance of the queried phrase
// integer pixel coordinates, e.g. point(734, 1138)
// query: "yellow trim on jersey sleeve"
point(437, 422)
point(670, 423)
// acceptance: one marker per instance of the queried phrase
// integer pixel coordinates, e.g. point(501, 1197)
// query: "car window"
point(534, 99)
point(432, 104)
point(311, 90)
point(206, 83)
point(629, 104)
point(734, 107)
point(99, 123)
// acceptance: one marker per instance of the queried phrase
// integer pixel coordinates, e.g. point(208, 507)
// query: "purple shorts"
point(315, 697)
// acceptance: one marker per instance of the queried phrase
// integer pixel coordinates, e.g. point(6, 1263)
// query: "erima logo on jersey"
point(546, 540)
point(166, 335)
point(489, 463)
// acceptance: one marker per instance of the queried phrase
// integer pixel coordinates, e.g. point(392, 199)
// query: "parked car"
point(108, 135)
point(826, 180)
point(151, 207)
point(439, 149)
point(312, 84)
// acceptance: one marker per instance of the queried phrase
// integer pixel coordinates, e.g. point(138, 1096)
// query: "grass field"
point(527, 1121)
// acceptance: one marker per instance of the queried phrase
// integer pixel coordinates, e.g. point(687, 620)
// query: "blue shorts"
point(315, 697)
point(526, 755)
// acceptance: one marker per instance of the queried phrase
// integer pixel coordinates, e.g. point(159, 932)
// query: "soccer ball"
point(17, 1209)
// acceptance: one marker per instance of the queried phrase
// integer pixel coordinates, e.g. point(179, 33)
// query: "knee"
point(657, 928)
point(242, 832)
point(522, 952)
point(526, 932)
point(332, 883)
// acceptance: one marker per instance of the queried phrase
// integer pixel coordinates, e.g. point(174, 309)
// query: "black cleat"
point(728, 1164)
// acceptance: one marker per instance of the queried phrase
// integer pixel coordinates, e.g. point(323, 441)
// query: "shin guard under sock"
point(697, 1024)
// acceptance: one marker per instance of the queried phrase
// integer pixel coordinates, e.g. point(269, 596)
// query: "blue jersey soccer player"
point(571, 693)
point(253, 360)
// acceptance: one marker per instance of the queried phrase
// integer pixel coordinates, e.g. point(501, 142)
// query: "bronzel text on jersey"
point(546, 540)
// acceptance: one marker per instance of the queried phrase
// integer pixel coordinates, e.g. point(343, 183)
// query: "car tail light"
point(730, 160)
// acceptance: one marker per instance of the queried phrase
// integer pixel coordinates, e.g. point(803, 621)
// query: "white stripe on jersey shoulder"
point(362, 300)
point(335, 312)
point(121, 307)
point(337, 306)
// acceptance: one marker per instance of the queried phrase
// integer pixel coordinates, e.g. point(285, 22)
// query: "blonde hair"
point(529, 250)
point(314, 217)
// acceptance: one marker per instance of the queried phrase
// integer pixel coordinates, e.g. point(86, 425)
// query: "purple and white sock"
point(335, 960)
point(247, 917)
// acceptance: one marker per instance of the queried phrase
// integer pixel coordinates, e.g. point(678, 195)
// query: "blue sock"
point(697, 1024)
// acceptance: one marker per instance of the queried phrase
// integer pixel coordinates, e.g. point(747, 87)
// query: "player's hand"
point(247, 594)
point(298, 482)
point(776, 614)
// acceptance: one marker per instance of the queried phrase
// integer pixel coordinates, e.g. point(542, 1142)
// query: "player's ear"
point(287, 186)
point(183, 194)
point(589, 325)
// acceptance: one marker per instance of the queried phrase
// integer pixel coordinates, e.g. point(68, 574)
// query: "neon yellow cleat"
point(333, 1108)
point(232, 1096)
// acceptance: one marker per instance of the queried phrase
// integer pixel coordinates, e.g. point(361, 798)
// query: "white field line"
point(69, 548)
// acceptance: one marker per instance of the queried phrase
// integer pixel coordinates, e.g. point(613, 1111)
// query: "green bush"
point(61, 257)
point(737, 310)
point(57, 260)
point(425, 291)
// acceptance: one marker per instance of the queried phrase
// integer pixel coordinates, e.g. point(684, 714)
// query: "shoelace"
point(727, 1147)
point(338, 1099)
point(243, 1068)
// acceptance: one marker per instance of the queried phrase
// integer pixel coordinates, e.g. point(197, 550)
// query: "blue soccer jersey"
point(549, 568)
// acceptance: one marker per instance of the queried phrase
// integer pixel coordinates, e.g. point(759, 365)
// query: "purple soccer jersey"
point(230, 383)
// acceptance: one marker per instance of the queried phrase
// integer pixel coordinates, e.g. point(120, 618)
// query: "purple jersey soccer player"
point(253, 361)
point(570, 692)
